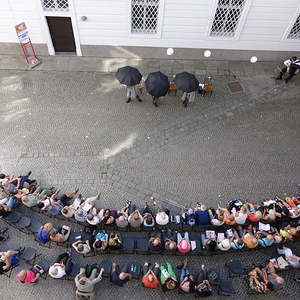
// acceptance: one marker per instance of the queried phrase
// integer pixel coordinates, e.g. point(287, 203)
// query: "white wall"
point(185, 24)
point(14, 12)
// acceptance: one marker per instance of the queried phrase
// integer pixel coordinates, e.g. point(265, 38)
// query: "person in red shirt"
point(150, 279)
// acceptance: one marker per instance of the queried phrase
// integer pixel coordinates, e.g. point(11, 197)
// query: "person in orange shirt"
point(150, 279)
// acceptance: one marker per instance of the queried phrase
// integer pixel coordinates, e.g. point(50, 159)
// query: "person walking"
point(131, 93)
point(291, 67)
point(188, 98)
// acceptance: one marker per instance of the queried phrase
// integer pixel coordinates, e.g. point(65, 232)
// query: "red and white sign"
point(26, 45)
point(22, 32)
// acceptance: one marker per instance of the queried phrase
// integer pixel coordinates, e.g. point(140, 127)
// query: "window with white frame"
point(295, 31)
point(144, 16)
point(55, 5)
point(227, 17)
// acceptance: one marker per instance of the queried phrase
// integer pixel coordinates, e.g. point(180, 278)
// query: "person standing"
point(291, 66)
point(188, 98)
point(131, 94)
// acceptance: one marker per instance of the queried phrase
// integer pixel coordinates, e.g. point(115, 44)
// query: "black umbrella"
point(129, 76)
point(186, 82)
point(157, 84)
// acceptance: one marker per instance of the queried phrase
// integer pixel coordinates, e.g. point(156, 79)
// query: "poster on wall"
point(26, 45)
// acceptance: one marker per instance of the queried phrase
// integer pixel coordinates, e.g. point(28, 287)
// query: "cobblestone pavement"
point(74, 129)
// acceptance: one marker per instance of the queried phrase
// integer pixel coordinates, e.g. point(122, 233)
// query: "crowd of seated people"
point(277, 212)
point(169, 278)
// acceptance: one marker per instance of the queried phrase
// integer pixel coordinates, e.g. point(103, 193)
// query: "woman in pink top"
point(28, 276)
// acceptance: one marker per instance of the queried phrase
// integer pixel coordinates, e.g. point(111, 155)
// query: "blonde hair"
point(48, 227)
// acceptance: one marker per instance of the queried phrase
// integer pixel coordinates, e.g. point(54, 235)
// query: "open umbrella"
point(157, 84)
point(129, 76)
point(186, 82)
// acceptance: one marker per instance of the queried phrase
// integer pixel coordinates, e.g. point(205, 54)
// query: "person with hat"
point(62, 266)
point(183, 243)
point(224, 245)
point(168, 277)
point(162, 218)
point(150, 276)
point(86, 284)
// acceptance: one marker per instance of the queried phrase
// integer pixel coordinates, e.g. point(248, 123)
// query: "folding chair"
point(235, 268)
point(107, 266)
point(73, 273)
point(226, 287)
point(135, 269)
point(34, 226)
point(142, 246)
point(23, 224)
point(9, 272)
point(29, 255)
point(45, 264)
point(75, 236)
point(13, 218)
point(128, 245)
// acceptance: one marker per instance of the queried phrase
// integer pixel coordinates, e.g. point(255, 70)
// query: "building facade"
point(122, 27)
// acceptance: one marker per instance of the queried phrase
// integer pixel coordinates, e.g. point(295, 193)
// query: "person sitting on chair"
point(187, 282)
point(8, 259)
point(61, 235)
point(155, 241)
point(101, 241)
point(115, 241)
point(168, 277)
point(30, 276)
point(86, 284)
point(291, 66)
point(150, 277)
point(62, 266)
point(83, 247)
point(43, 235)
point(120, 277)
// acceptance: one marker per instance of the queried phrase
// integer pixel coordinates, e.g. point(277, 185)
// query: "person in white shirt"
point(292, 66)
point(62, 266)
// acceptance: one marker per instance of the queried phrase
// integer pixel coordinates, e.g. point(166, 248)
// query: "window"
point(144, 16)
point(55, 5)
point(227, 17)
point(295, 31)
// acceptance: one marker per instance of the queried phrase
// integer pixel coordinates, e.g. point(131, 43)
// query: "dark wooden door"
point(61, 32)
